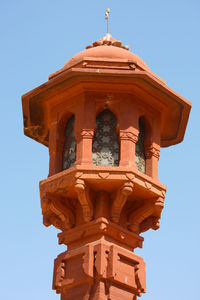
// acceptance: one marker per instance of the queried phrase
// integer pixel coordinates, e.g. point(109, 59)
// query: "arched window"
point(140, 158)
point(69, 150)
point(105, 146)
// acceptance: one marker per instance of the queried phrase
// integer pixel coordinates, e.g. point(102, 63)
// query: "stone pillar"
point(84, 131)
point(128, 140)
point(152, 154)
point(55, 149)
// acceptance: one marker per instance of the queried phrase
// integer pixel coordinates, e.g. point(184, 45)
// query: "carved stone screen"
point(105, 147)
point(69, 151)
point(140, 159)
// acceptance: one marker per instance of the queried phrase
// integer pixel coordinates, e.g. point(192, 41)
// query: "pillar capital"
point(129, 136)
point(152, 150)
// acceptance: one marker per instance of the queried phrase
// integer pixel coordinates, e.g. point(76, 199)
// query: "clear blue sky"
point(37, 38)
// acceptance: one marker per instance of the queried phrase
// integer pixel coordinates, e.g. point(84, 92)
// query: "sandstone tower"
point(104, 117)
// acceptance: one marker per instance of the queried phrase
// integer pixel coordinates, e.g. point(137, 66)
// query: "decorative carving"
point(108, 40)
point(133, 275)
point(33, 131)
point(101, 253)
point(84, 199)
point(87, 133)
point(147, 216)
point(88, 261)
point(122, 235)
point(138, 215)
point(84, 64)
point(148, 185)
point(103, 227)
point(152, 151)
point(59, 274)
point(100, 227)
point(54, 220)
point(105, 146)
point(151, 222)
point(62, 211)
point(78, 174)
point(103, 175)
point(159, 204)
point(163, 193)
point(130, 176)
point(130, 136)
point(64, 278)
point(132, 66)
point(140, 278)
point(56, 212)
point(120, 199)
point(100, 262)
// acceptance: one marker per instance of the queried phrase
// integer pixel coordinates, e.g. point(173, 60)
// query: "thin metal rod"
point(107, 18)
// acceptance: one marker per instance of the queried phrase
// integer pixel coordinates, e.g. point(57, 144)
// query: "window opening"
point(140, 158)
point(105, 146)
point(69, 151)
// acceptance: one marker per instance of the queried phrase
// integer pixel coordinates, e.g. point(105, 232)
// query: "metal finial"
point(107, 18)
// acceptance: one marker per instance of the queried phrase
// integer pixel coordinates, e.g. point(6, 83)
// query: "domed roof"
point(106, 49)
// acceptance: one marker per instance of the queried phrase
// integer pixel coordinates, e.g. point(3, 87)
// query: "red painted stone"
point(101, 210)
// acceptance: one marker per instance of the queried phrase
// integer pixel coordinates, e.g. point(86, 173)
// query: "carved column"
point(55, 150)
point(84, 131)
point(84, 147)
point(152, 154)
point(128, 125)
point(128, 139)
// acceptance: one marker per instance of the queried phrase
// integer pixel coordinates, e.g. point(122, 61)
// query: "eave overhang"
point(174, 108)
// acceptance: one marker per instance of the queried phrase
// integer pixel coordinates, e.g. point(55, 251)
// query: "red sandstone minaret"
point(104, 117)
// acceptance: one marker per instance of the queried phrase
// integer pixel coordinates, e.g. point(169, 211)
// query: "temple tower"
point(104, 117)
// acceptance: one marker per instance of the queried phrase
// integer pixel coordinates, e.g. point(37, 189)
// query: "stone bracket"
point(57, 213)
point(84, 199)
point(147, 216)
point(120, 199)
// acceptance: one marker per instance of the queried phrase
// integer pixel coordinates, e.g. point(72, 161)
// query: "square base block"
point(100, 270)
